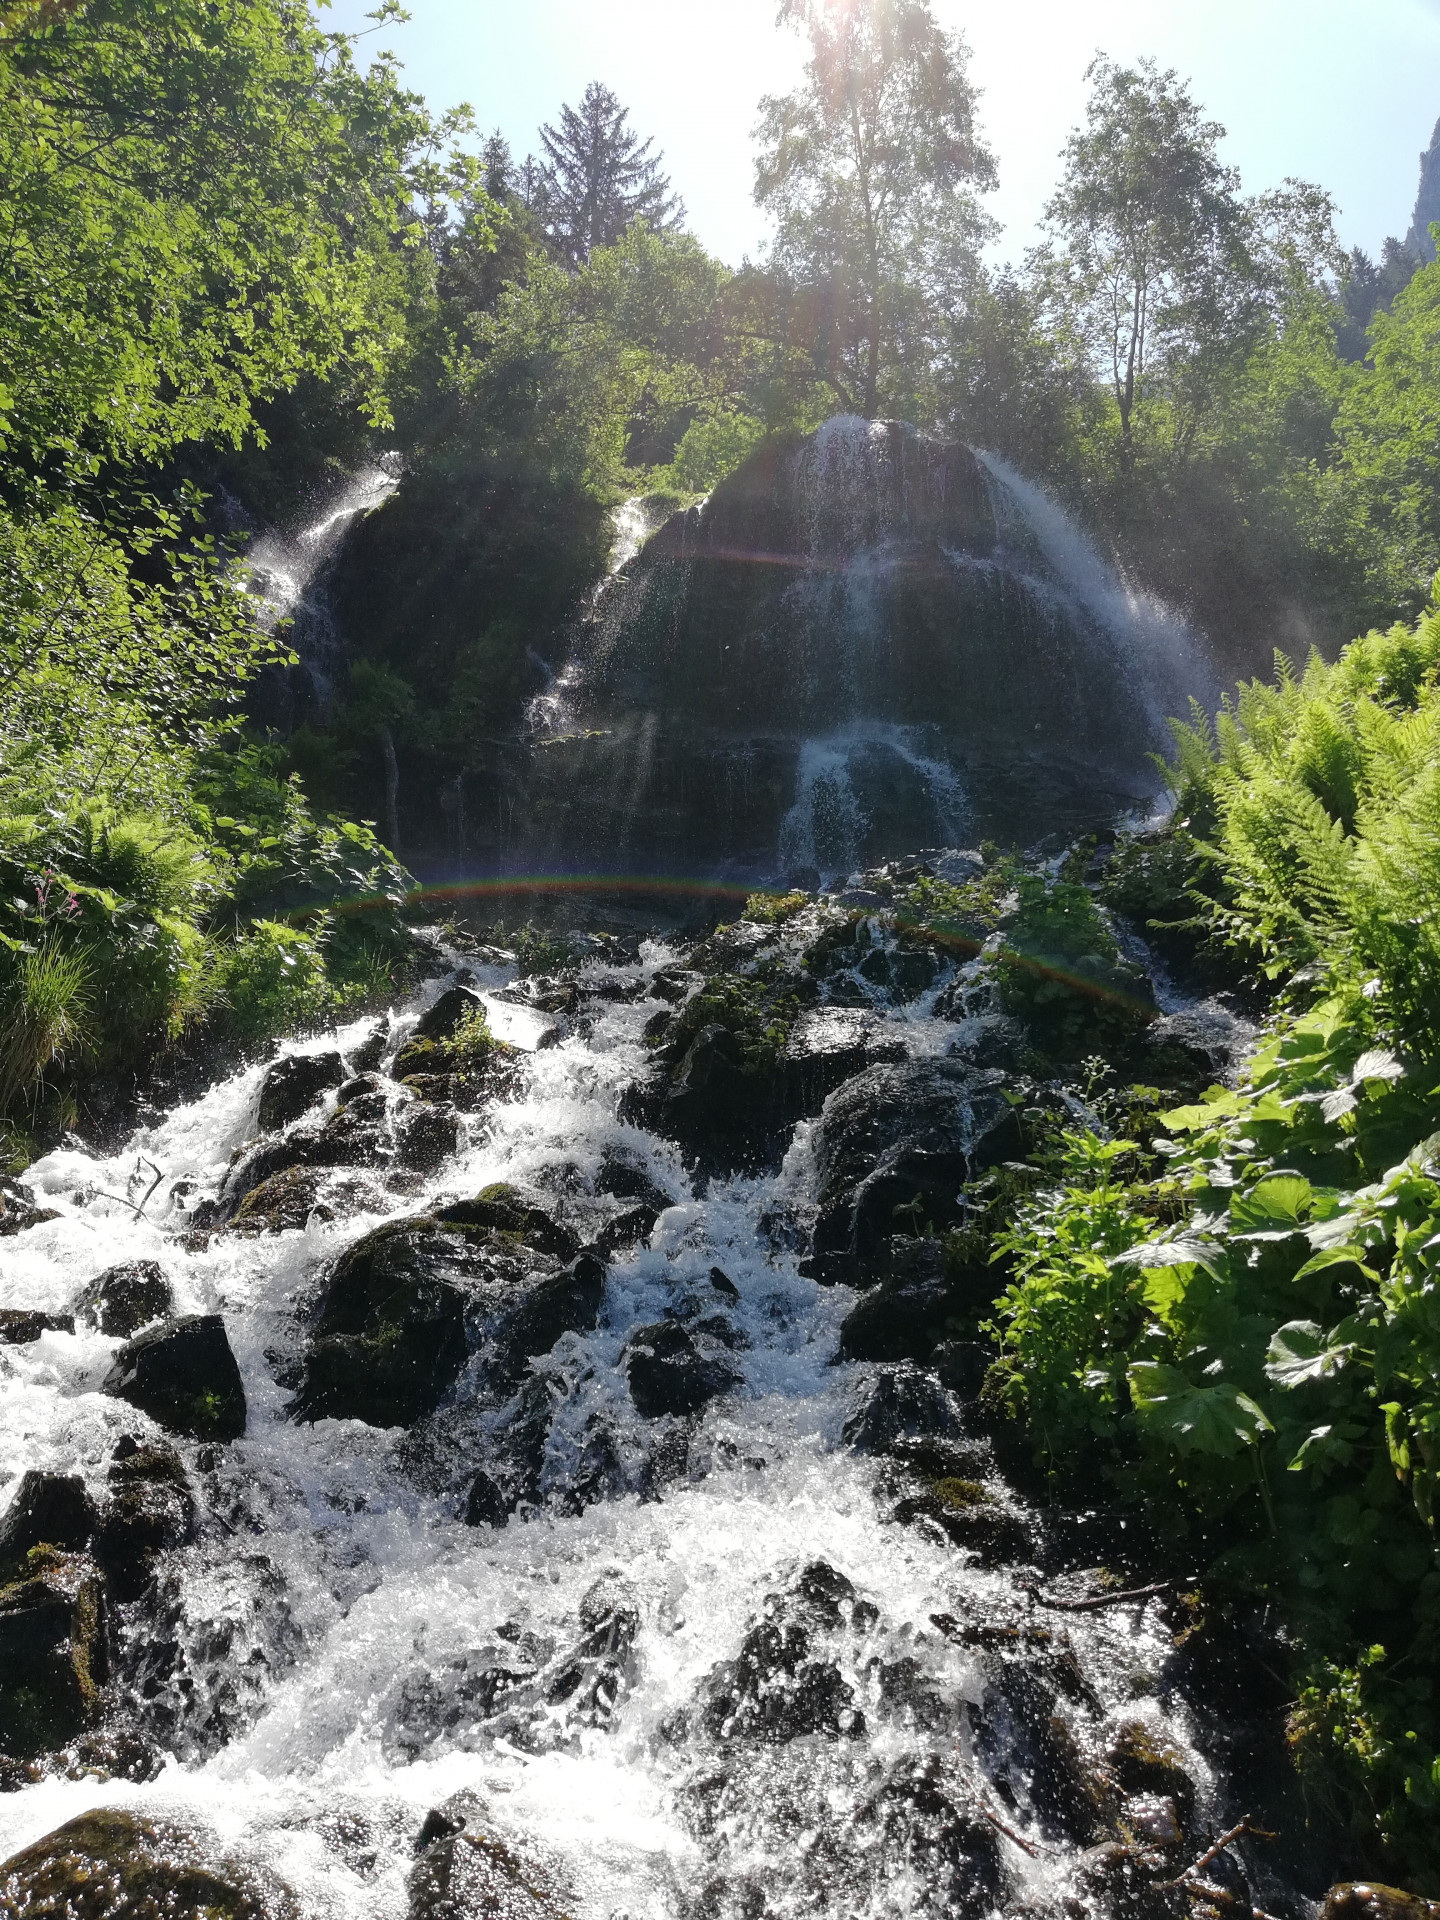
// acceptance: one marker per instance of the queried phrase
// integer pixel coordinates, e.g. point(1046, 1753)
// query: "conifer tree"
point(599, 177)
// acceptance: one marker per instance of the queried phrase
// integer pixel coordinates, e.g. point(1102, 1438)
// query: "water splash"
point(843, 780)
point(1165, 656)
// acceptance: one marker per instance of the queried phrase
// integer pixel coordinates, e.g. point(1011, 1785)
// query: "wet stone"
point(48, 1509)
point(22, 1327)
point(54, 1652)
point(183, 1374)
point(126, 1298)
point(465, 1871)
point(668, 1374)
point(293, 1085)
point(782, 1685)
point(150, 1511)
point(18, 1208)
point(485, 1504)
point(454, 1005)
point(897, 1404)
point(427, 1137)
point(893, 1148)
point(1370, 1900)
point(112, 1865)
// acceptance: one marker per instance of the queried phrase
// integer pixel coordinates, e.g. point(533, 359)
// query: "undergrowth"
point(1259, 1365)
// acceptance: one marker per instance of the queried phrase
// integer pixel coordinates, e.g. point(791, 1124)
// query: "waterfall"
point(285, 573)
point(1163, 653)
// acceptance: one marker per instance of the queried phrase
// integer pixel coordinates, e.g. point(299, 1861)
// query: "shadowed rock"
point(669, 1374)
point(293, 1085)
point(49, 1509)
point(184, 1376)
point(125, 1298)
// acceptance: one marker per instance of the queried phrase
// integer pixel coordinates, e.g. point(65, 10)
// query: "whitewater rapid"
point(329, 1601)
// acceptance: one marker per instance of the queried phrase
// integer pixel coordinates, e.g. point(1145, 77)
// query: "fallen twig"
point(1025, 1846)
point(1240, 1831)
point(122, 1200)
point(1098, 1600)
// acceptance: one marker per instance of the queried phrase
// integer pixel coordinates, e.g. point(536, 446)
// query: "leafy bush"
point(774, 909)
point(1264, 1370)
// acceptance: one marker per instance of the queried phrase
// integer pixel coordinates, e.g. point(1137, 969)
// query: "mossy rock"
point(151, 1511)
point(504, 1210)
point(112, 1865)
point(1142, 1762)
point(54, 1653)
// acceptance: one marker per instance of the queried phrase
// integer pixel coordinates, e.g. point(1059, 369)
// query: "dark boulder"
point(630, 1228)
point(485, 1504)
point(388, 1341)
point(923, 1301)
point(669, 1374)
point(356, 1136)
point(111, 1865)
point(183, 1374)
point(893, 1148)
point(925, 1816)
point(899, 1403)
point(49, 1510)
point(54, 1653)
point(18, 1209)
point(565, 1302)
point(281, 1204)
point(293, 1085)
point(22, 1327)
point(782, 1685)
point(723, 1284)
point(427, 1136)
point(454, 1005)
point(150, 1511)
point(464, 1870)
point(504, 1210)
point(125, 1298)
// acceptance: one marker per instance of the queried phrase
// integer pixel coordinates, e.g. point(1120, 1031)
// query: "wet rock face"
point(388, 1340)
point(668, 1373)
point(49, 1509)
point(293, 1085)
point(895, 1145)
point(112, 1865)
point(464, 1869)
point(21, 1327)
point(150, 1511)
point(896, 1404)
point(126, 1298)
point(855, 579)
point(18, 1209)
point(782, 1686)
point(54, 1651)
point(404, 1308)
point(1368, 1900)
point(183, 1374)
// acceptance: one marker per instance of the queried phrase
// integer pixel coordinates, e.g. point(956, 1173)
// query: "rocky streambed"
point(540, 1465)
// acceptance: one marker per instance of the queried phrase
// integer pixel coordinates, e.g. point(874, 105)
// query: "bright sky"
point(1342, 92)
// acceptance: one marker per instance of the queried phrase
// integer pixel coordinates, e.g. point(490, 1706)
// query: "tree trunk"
point(392, 790)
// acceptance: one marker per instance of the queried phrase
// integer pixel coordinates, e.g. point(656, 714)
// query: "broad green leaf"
point(1300, 1352)
point(1183, 1251)
point(1274, 1206)
point(1342, 1256)
point(1218, 1420)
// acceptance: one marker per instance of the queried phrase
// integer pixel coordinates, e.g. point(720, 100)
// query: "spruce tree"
point(599, 177)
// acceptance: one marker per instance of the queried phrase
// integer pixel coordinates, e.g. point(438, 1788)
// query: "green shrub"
point(1262, 1373)
point(774, 909)
point(272, 980)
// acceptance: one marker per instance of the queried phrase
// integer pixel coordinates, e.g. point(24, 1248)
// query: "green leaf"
point(1342, 1256)
point(1219, 1420)
point(1301, 1352)
point(1274, 1206)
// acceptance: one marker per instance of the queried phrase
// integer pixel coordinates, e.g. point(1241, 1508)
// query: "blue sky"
point(1342, 92)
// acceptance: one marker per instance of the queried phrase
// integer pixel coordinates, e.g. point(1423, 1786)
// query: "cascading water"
point(285, 572)
point(864, 582)
point(710, 1667)
point(1162, 653)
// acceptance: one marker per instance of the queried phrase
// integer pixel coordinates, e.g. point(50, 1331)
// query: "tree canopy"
point(598, 178)
point(872, 170)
